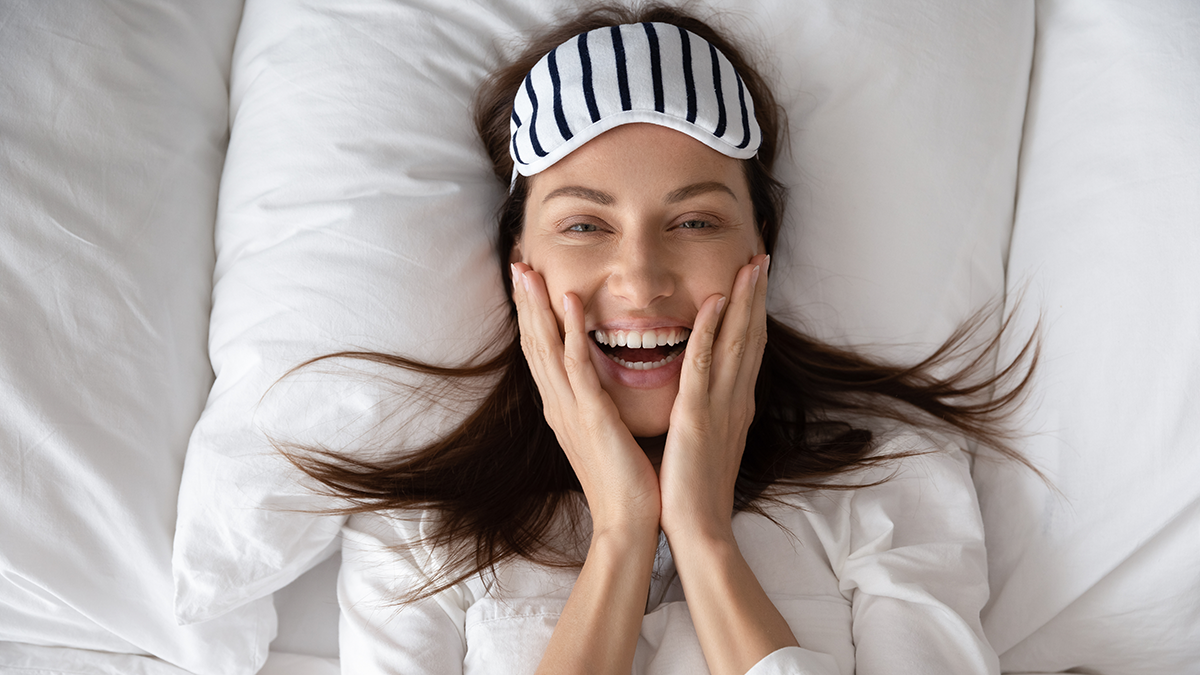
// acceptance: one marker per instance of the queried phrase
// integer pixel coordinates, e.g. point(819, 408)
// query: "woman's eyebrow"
point(583, 193)
point(689, 191)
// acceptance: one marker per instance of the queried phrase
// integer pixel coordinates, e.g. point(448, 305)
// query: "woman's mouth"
point(642, 349)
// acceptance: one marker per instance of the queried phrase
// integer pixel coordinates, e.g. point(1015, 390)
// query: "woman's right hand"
point(618, 479)
point(598, 629)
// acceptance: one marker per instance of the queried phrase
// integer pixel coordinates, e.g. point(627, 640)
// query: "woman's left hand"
point(736, 622)
point(714, 409)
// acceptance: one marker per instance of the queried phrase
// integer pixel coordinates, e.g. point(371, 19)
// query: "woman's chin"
point(646, 428)
point(646, 418)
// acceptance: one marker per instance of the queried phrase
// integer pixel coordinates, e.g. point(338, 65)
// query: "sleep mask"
point(645, 72)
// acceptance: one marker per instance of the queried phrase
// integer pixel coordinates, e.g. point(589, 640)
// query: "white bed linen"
point(308, 612)
point(25, 659)
point(1104, 575)
point(113, 123)
point(111, 132)
point(356, 209)
point(878, 581)
point(287, 663)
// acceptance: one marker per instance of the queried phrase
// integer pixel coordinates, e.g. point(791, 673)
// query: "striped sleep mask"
point(646, 72)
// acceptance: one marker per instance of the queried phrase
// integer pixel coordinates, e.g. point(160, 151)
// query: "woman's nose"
point(641, 274)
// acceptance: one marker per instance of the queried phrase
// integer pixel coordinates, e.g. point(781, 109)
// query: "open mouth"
point(642, 349)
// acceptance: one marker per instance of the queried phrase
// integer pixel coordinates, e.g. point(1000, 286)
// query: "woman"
point(663, 478)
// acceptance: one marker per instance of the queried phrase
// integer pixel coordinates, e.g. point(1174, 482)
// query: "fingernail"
point(525, 279)
point(720, 304)
point(754, 275)
point(767, 264)
point(512, 269)
point(566, 303)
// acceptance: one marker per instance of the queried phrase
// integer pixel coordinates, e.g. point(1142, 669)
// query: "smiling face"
point(643, 224)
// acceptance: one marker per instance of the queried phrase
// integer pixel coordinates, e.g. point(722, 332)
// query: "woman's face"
point(643, 224)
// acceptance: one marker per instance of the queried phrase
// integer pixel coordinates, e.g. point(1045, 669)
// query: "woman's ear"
point(514, 256)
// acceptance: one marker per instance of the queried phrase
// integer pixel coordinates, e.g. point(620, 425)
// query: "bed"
point(195, 197)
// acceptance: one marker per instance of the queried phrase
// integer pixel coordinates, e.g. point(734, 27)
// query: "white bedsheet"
point(22, 659)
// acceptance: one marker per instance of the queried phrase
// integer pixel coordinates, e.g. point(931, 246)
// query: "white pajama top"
point(885, 580)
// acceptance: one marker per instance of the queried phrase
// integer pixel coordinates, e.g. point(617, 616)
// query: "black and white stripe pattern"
point(647, 72)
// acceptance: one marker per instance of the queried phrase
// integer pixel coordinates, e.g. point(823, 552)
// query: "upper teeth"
point(643, 339)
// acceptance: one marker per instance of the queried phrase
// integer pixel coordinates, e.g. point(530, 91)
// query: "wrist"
point(736, 621)
point(699, 529)
point(624, 546)
point(699, 548)
point(624, 522)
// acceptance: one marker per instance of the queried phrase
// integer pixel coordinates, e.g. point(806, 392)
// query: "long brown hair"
point(499, 479)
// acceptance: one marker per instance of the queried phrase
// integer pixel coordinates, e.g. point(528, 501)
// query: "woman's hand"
point(598, 628)
point(714, 409)
point(617, 478)
point(735, 620)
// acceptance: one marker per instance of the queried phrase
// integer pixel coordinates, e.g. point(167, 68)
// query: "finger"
point(546, 339)
point(525, 317)
point(540, 339)
point(698, 354)
point(577, 358)
point(755, 335)
point(733, 339)
point(525, 328)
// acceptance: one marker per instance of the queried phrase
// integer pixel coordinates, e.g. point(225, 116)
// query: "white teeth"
point(646, 365)
point(646, 339)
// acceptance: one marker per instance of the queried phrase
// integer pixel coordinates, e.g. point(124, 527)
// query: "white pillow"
point(905, 137)
point(1105, 577)
point(353, 215)
point(112, 133)
point(356, 212)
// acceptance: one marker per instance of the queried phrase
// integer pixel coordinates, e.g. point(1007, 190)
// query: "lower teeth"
point(645, 365)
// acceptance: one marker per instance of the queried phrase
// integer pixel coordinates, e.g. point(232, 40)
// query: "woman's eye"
point(694, 224)
point(582, 227)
